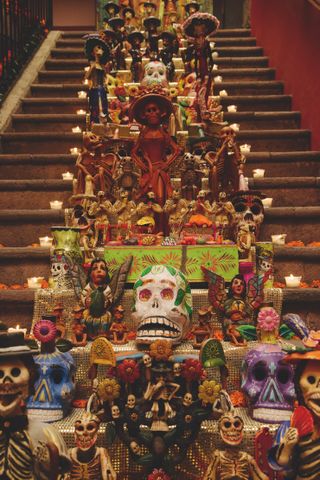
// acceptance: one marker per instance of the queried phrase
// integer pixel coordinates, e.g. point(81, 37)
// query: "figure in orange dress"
point(150, 152)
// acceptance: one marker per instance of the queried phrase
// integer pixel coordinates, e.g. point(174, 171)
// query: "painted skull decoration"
point(155, 74)
point(14, 385)
point(60, 272)
point(267, 380)
point(249, 209)
point(86, 431)
point(162, 305)
point(231, 429)
point(54, 386)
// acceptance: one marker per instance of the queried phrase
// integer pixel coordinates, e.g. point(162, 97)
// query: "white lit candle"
point(56, 205)
point(293, 281)
point(76, 129)
point(86, 81)
point(81, 112)
point(279, 239)
point(258, 173)
point(245, 148)
point(74, 151)
point(67, 176)
point(232, 108)
point(215, 55)
point(235, 127)
point(82, 94)
point(217, 79)
point(35, 282)
point(223, 93)
point(267, 202)
point(17, 330)
point(215, 67)
point(212, 44)
point(46, 241)
point(86, 69)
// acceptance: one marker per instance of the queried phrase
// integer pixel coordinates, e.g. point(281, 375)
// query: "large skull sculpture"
point(14, 385)
point(162, 305)
point(249, 209)
point(154, 74)
point(54, 387)
point(86, 431)
point(268, 382)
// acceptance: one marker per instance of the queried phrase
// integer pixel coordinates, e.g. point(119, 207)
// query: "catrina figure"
point(98, 55)
point(29, 449)
point(297, 447)
point(100, 294)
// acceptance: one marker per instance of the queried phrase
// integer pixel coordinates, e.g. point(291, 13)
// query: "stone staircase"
point(35, 153)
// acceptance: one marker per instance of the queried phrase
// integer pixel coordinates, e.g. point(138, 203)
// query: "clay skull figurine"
point(29, 448)
point(89, 462)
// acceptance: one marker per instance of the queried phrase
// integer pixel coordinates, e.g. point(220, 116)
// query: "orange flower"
point(3, 286)
point(238, 399)
point(315, 284)
point(160, 350)
point(218, 334)
point(314, 244)
point(304, 285)
point(279, 285)
point(295, 243)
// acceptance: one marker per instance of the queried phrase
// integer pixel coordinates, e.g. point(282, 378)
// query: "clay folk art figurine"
point(89, 462)
point(98, 54)
point(232, 463)
point(296, 451)
point(37, 448)
point(135, 39)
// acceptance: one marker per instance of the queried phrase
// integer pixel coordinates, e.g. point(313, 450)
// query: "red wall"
point(289, 32)
point(74, 13)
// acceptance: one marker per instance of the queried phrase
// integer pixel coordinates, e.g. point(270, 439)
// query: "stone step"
point(289, 191)
point(304, 261)
point(231, 62)
point(279, 163)
point(270, 87)
point(19, 228)
point(228, 74)
point(219, 41)
point(40, 142)
point(64, 122)
point(246, 103)
point(301, 222)
point(17, 166)
point(229, 51)
point(28, 194)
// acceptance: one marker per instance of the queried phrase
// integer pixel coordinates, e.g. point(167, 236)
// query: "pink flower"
point(158, 475)
point(192, 370)
point(268, 319)
point(45, 331)
point(128, 371)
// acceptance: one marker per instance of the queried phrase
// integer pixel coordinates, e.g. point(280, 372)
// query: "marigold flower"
point(209, 391)
point(108, 389)
point(160, 350)
point(238, 399)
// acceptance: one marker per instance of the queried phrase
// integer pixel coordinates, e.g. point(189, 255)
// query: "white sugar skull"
point(155, 74)
point(177, 369)
point(60, 271)
point(115, 412)
point(231, 429)
point(249, 209)
point(147, 361)
point(162, 305)
point(131, 401)
point(14, 385)
point(86, 431)
point(187, 400)
point(267, 380)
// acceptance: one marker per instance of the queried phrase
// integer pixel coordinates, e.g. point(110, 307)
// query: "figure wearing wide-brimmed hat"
point(129, 19)
point(191, 7)
point(111, 9)
point(151, 25)
point(37, 448)
point(150, 152)
point(117, 24)
point(135, 39)
point(198, 27)
point(170, 46)
point(98, 54)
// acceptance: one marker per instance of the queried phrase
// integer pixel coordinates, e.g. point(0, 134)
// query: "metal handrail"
point(23, 26)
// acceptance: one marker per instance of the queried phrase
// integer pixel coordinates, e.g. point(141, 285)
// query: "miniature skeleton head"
point(177, 369)
point(154, 74)
point(249, 209)
point(91, 141)
point(265, 263)
point(268, 382)
point(14, 385)
point(162, 305)
point(115, 412)
point(86, 431)
point(147, 361)
point(135, 448)
point(187, 400)
point(231, 429)
point(309, 385)
point(131, 401)
point(60, 271)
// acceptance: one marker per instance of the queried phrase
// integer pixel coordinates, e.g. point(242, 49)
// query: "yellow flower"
point(209, 391)
point(173, 92)
point(108, 389)
point(133, 91)
point(160, 350)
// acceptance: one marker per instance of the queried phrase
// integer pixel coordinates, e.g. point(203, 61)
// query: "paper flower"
point(128, 371)
point(108, 389)
point(45, 331)
point(268, 319)
point(192, 370)
point(158, 475)
point(238, 399)
point(209, 391)
point(160, 350)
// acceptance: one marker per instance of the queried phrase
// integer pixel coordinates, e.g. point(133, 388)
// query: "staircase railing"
point(23, 26)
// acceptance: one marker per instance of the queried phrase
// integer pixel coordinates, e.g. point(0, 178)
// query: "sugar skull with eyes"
point(155, 74)
point(267, 381)
point(231, 429)
point(86, 431)
point(162, 305)
point(249, 209)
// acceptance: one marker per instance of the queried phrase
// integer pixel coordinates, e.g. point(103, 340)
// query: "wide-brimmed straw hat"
point(137, 108)
point(200, 18)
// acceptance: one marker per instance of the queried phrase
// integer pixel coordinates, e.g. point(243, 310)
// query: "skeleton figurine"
point(224, 215)
point(177, 208)
point(29, 448)
point(101, 210)
point(60, 271)
point(231, 463)
point(245, 242)
point(146, 211)
point(124, 210)
point(89, 462)
point(191, 177)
